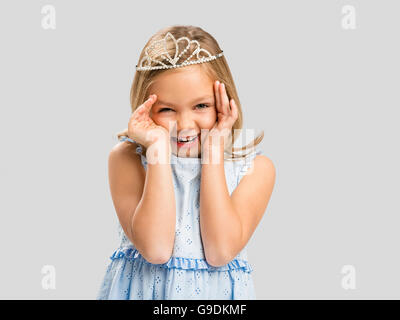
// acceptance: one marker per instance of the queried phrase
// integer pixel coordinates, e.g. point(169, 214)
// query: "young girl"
point(186, 202)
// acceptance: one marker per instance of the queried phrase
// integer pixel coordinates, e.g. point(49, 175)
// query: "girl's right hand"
point(142, 128)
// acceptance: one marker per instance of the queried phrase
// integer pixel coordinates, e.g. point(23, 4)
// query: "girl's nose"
point(185, 123)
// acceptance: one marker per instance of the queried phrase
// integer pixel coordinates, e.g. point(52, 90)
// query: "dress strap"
point(139, 148)
point(125, 138)
point(247, 163)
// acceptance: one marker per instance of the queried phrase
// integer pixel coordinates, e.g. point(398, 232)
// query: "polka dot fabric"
point(186, 275)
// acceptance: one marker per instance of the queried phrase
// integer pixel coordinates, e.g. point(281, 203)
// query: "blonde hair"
point(217, 69)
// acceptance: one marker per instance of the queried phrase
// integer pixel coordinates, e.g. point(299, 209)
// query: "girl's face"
point(185, 105)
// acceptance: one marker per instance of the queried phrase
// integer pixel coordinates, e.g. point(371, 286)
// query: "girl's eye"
point(164, 109)
point(202, 104)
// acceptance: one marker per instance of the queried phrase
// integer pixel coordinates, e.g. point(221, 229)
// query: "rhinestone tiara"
point(158, 48)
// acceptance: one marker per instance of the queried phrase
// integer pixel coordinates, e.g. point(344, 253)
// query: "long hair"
point(217, 69)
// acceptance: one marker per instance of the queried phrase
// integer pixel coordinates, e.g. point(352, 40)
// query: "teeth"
point(186, 140)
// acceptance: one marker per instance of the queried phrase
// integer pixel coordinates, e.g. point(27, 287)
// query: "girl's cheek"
point(156, 118)
point(214, 114)
point(210, 120)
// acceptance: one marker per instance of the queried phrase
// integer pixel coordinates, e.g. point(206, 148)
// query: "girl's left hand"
point(226, 117)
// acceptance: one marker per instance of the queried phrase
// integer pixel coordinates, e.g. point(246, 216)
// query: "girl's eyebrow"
point(193, 102)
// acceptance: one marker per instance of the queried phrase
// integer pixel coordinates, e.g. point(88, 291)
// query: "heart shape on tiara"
point(158, 48)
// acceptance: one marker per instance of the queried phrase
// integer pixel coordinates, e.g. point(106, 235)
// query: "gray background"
point(325, 97)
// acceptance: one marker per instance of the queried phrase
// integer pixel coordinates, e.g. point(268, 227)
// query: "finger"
point(235, 112)
point(230, 108)
point(144, 108)
point(217, 99)
point(224, 100)
point(149, 102)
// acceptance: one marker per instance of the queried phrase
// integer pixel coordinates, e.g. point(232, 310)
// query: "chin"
point(186, 153)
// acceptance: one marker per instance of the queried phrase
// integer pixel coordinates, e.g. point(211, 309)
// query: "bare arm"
point(153, 223)
point(217, 213)
point(228, 221)
point(145, 203)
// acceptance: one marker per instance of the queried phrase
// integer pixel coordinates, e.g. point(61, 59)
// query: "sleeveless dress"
point(186, 275)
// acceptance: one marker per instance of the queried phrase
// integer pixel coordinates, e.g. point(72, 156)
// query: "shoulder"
point(261, 169)
point(264, 169)
point(123, 156)
point(263, 164)
point(123, 149)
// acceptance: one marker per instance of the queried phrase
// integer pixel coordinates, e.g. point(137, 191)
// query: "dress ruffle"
point(183, 263)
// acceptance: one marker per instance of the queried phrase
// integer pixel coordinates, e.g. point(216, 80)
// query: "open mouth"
point(186, 142)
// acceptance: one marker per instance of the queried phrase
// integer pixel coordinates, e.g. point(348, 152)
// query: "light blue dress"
point(187, 275)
